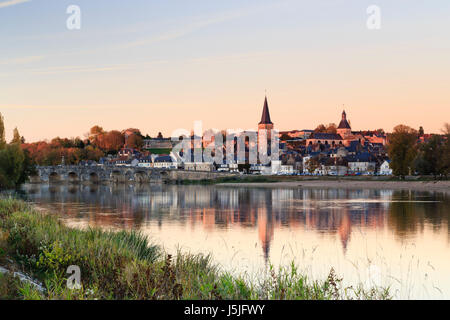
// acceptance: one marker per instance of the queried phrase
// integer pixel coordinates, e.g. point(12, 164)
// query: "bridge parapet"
point(118, 174)
point(96, 174)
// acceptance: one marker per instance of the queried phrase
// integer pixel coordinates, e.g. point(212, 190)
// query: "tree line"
point(19, 158)
point(410, 155)
point(97, 144)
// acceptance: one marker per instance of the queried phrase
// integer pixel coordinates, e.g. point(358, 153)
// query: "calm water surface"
point(374, 237)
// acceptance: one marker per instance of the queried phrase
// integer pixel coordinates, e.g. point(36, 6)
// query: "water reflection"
point(404, 234)
point(323, 211)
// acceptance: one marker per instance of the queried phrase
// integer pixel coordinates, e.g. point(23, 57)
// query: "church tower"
point(344, 128)
point(265, 122)
point(265, 125)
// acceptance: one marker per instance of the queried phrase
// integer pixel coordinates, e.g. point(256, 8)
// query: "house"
point(287, 170)
point(327, 139)
point(275, 166)
point(335, 170)
point(385, 168)
point(121, 161)
point(164, 162)
point(145, 162)
point(199, 166)
point(128, 152)
point(362, 163)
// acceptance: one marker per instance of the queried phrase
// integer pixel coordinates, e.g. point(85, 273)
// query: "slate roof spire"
point(265, 117)
point(344, 123)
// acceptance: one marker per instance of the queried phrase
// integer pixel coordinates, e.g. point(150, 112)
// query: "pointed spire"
point(265, 118)
point(344, 123)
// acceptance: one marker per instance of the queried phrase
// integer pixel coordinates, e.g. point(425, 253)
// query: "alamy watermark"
point(73, 22)
point(74, 280)
point(374, 19)
point(229, 146)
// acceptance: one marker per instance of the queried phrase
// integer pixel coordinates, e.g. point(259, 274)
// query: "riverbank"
point(124, 265)
point(439, 186)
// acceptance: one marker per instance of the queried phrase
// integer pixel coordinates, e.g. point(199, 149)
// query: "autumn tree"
point(320, 128)
point(94, 132)
point(113, 141)
point(380, 132)
point(332, 128)
point(135, 141)
point(402, 150)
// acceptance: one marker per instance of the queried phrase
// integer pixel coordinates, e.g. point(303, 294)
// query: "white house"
point(385, 168)
point(164, 162)
point(363, 167)
point(145, 162)
point(287, 170)
point(335, 170)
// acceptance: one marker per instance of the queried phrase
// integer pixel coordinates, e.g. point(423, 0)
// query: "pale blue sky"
point(160, 65)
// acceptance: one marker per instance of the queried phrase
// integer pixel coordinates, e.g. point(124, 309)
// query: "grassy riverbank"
point(123, 265)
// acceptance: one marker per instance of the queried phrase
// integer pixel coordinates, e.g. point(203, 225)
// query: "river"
point(396, 238)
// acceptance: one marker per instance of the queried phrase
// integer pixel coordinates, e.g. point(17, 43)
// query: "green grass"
point(124, 265)
point(160, 150)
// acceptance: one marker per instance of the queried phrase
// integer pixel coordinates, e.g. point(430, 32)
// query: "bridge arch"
point(141, 177)
point(129, 176)
point(116, 176)
point(54, 177)
point(94, 177)
point(34, 178)
point(72, 177)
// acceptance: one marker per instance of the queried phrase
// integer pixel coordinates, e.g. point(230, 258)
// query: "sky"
point(161, 65)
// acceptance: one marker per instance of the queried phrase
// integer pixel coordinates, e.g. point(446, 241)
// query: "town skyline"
point(155, 131)
point(150, 67)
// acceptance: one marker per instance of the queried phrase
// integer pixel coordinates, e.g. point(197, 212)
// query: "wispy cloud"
point(10, 3)
point(186, 29)
point(21, 60)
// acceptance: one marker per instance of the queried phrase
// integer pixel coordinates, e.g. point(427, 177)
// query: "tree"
point(95, 132)
point(160, 136)
point(402, 150)
point(332, 128)
point(320, 128)
point(380, 132)
point(430, 157)
point(16, 137)
point(2, 133)
point(135, 141)
point(421, 132)
point(12, 160)
point(446, 152)
point(312, 164)
point(113, 141)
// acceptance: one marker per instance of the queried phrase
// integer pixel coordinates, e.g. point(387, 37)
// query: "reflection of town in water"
point(403, 234)
point(324, 211)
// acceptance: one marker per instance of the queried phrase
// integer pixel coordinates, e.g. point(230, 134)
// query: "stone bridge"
point(117, 174)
